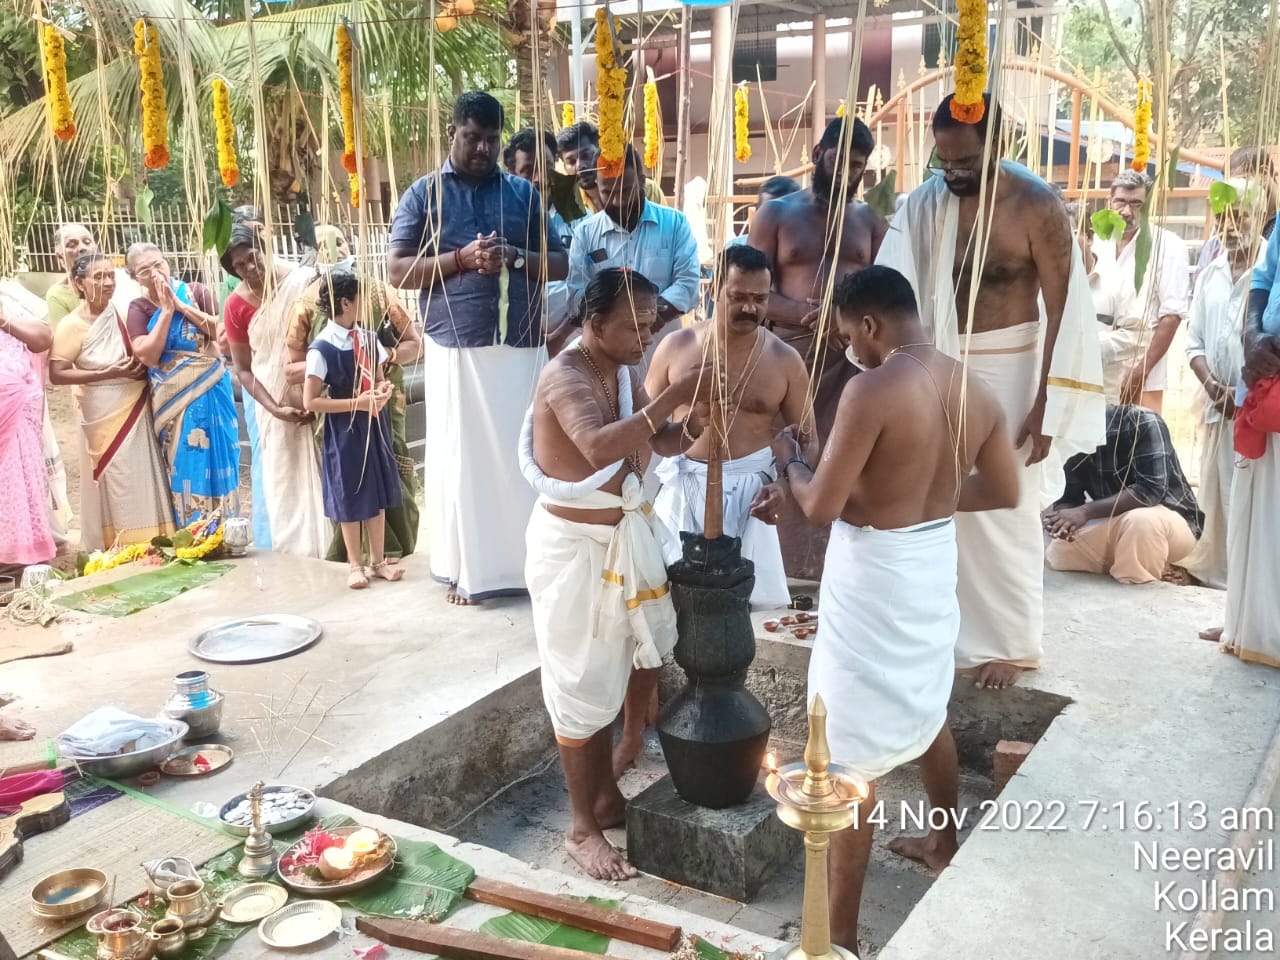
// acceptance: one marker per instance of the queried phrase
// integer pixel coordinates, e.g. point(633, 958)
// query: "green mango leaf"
point(1171, 167)
point(217, 227)
point(564, 196)
point(883, 197)
point(1221, 196)
point(183, 538)
point(142, 205)
point(518, 926)
point(1107, 224)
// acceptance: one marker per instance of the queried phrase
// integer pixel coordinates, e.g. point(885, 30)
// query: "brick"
point(1008, 758)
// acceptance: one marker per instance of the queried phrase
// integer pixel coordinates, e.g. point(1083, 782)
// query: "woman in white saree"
point(123, 480)
point(286, 433)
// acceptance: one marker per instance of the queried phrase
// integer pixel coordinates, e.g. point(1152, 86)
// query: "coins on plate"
point(280, 804)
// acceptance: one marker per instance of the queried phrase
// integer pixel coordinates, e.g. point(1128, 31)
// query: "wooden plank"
point(574, 913)
point(463, 944)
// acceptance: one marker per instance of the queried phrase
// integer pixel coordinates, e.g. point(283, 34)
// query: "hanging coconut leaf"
point(142, 205)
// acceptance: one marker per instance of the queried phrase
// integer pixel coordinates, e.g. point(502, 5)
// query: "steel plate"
point(300, 924)
point(257, 639)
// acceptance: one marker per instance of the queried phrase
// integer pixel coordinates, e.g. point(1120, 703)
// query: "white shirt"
point(1164, 292)
point(661, 247)
point(1217, 321)
point(339, 336)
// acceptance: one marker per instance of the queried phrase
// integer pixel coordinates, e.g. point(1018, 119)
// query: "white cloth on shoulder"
point(921, 245)
point(599, 594)
point(882, 658)
point(679, 505)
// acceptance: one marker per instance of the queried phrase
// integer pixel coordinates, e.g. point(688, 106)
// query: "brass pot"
point(168, 937)
point(191, 904)
point(122, 936)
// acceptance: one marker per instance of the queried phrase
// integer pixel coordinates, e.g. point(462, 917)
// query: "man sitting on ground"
point(583, 450)
point(1127, 509)
point(890, 479)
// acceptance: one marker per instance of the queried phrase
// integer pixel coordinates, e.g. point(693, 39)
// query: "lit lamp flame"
point(771, 762)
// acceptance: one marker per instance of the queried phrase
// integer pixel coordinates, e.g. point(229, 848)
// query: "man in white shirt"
point(636, 233)
point(1144, 317)
point(1215, 350)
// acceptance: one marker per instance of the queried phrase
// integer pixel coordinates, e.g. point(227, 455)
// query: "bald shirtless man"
point(909, 447)
point(1021, 256)
point(583, 449)
point(765, 378)
point(808, 235)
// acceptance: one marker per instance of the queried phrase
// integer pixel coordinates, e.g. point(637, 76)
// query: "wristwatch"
point(517, 262)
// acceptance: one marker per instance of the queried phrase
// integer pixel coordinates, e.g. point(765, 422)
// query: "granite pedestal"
point(729, 852)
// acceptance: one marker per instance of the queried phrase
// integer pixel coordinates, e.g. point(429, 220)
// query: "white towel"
point(882, 659)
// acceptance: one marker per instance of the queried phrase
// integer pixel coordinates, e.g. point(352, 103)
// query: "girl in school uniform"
point(358, 468)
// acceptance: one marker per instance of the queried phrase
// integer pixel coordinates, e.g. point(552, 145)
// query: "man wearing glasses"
point(1144, 317)
point(990, 252)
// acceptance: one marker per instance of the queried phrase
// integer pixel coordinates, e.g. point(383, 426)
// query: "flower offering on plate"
point(337, 860)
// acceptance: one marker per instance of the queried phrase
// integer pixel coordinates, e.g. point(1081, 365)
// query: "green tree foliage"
point(1116, 38)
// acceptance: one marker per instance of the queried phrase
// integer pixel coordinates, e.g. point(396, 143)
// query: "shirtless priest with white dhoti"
point(1006, 292)
point(595, 562)
point(763, 377)
point(912, 443)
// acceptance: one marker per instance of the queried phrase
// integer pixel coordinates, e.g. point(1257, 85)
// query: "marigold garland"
point(840, 109)
point(61, 120)
point(225, 129)
point(346, 92)
point(567, 118)
point(353, 181)
point(611, 86)
point(155, 110)
point(652, 127)
point(1142, 128)
point(967, 105)
point(741, 124)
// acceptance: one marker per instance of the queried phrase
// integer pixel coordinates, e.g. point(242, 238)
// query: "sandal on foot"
point(384, 571)
point(356, 578)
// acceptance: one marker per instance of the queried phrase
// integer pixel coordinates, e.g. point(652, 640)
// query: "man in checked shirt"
point(1127, 509)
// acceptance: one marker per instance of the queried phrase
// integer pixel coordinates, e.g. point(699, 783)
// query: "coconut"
point(363, 841)
point(336, 863)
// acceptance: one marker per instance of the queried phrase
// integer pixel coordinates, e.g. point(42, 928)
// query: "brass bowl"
point(68, 893)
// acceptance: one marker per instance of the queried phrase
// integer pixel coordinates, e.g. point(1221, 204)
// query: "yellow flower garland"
point(611, 86)
point(201, 549)
point(652, 125)
point(228, 166)
point(566, 114)
point(346, 92)
point(58, 101)
point(1142, 128)
point(971, 61)
point(840, 109)
point(155, 110)
point(353, 181)
point(741, 124)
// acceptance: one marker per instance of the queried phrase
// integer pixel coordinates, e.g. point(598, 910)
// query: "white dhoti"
point(599, 594)
point(883, 657)
point(1001, 578)
point(681, 502)
point(477, 505)
point(1218, 458)
point(1252, 629)
point(1002, 567)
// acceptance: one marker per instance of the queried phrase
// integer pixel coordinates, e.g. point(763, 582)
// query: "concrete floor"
point(1156, 715)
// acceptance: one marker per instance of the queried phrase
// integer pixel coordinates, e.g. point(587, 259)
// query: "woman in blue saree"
point(173, 328)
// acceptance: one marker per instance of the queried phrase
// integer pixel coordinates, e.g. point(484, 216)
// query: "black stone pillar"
point(714, 733)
